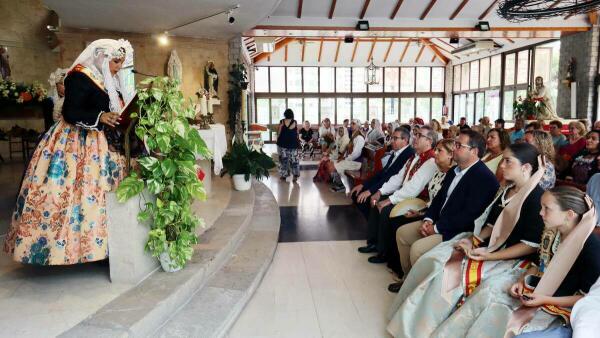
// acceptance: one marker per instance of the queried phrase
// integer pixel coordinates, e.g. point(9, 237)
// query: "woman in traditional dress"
point(443, 278)
point(496, 142)
point(542, 141)
point(567, 265)
point(375, 135)
point(338, 148)
point(60, 215)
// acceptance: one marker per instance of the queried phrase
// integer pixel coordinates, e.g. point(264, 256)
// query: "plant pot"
point(244, 85)
point(167, 263)
point(240, 183)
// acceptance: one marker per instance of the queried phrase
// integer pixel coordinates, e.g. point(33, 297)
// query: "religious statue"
point(543, 101)
point(174, 68)
point(571, 68)
point(211, 79)
point(4, 65)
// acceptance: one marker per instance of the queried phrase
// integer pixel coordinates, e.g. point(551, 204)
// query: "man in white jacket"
point(408, 183)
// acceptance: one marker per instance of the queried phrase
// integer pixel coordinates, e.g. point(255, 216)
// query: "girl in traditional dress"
point(375, 135)
point(443, 278)
point(60, 215)
point(566, 266)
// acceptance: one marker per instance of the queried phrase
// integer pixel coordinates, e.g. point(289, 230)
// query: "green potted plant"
point(169, 171)
point(238, 81)
point(242, 163)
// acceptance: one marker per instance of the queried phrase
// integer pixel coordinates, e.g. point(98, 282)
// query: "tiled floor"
point(318, 284)
point(11, 173)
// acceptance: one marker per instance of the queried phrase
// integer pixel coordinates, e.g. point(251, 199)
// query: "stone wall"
point(22, 31)
point(584, 48)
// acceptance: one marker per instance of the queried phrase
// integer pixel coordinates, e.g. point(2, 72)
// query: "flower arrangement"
point(528, 108)
point(12, 92)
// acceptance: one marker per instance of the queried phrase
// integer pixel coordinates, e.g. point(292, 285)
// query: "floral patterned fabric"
point(60, 214)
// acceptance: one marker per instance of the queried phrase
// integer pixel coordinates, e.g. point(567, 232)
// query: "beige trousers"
point(412, 245)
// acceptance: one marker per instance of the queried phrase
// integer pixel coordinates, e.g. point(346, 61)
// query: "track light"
point(230, 17)
point(483, 26)
point(163, 39)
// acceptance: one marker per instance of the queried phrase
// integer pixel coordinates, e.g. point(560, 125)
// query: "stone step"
point(140, 311)
point(214, 309)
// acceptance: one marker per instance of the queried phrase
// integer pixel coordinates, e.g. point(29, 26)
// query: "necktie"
point(390, 161)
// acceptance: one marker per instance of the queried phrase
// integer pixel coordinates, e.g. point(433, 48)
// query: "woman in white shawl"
point(341, 143)
point(375, 134)
point(446, 276)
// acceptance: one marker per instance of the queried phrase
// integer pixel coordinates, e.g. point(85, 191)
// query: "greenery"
point(12, 92)
point(527, 108)
point(169, 171)
point(237, 77)
point(242, 160)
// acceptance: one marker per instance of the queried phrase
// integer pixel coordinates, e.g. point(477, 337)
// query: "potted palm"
point(242, 163)
point(169, 171)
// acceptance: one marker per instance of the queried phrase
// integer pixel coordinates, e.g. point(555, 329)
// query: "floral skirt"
point(60, 214)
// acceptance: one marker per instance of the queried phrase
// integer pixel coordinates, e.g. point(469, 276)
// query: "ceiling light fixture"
point(362, 25)
point(371, 74)
point(163, 38)
point(483, 26)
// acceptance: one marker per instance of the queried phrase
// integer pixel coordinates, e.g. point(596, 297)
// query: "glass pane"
point(376, 109)
point(311, 80)
point(261, 80)
point(509, 72)
point(456, 79)
point(358, 80)
point(311, 110)
point(407, 79)
point(262, 111)
point(470, 108)
point(474, 75)
point(436, 108)
point(464, 76)
point(295, 105)
point(507, 110)
point(484, 73)
point(391, 110)
point(495, 70)
point(294, 79)
point(278, 106)
point(423, 108)
point(523, 66)
point(546, 65)
point(521, 94)
point(378, 88)
point(423, 79)
point(328, 109)
point(391, 79)
point(344, 108)
point(359, 109)
point(456, 109)
point(277, 80)
point(407, 109)
point(343, 80)
point(327, 80)
point(462, 108)
point(492, 104)
point(437, 79)
point(479, 106)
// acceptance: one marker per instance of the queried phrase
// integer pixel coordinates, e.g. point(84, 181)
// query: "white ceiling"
point(155, 16)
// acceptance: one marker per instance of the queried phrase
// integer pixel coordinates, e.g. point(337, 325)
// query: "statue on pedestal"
point(543, 101)
point(211, 79)
point(4, 64)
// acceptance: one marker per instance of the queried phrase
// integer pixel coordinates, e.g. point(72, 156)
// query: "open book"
point(129, 108)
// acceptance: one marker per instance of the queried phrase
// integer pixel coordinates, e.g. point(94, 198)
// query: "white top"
point(402, 188)
point(57, 109)
point(323, 131)
point(584, 317)
point(358, 144)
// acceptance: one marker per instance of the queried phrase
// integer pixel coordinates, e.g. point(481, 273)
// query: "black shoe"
point(378, 259)
point(395, 287)
point(369, 248)
point(283, 178)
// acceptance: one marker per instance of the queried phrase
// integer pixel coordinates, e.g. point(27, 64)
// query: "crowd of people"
point(486, 231)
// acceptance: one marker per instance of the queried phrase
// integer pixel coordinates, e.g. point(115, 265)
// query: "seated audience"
point(410, 182)
point(542, 141)
point(306, 136)
point(346, 125)
point(444, 122)
point(518, 131)
point(531, 126)
point(375, 135)
point(437, 128)
point(365, 128)
point(467, 189)
point(567, 264)
point(463, 123)
point(485, 125)
point(558, 139)
point(597, 125)
point(576, 143)
point(593, 190)
point(586, 162)
point(389, 132)
point(508, 232)
point(326, 134)
point(496, 142)
point(401, 152)
point(351, 159)
point(326, 166)
point(453, 132)
point(499, 124)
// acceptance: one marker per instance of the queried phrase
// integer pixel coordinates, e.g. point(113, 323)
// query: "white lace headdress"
point(56, 77)
point(96, 57)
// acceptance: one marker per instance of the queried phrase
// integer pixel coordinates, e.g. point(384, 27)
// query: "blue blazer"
point(468, 201)
point(374, 183)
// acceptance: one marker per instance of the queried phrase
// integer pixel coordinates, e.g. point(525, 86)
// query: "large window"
point(358, 80)
point(327, 79)
point(343, 80)
point(328, 109)
point(407, 109)
point(297, 106)
point(423, 79)
point(311, 79)
point(392, 79)
point(359, 108)
point(423, 108)
point(377, 88)
point(344, 108)
point(261, 80)
point(437, 79)
point(294, 79)
point(311, 110)
point(376, 109)
point(277, 79)
point(407, 79)
point(391, 109)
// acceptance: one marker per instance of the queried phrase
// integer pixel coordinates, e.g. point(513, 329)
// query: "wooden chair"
point(371, 165)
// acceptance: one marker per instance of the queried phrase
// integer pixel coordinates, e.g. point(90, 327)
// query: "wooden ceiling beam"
point(445, 43)
point(320, 51)
point(332, 9)
point(420, 53)
point(278, 46)
point(364, 9)
point(458, 9)
point(372, 48)
point(303, 50)
point(440, 47)
point(299, 14)
point(337, 51)
point(433, 58)
point(356, 41)
point(285, 57)
point(427, 9)
point(593, 18)
point(405, 50)
point(395, 10)
point(387, 52)
point(448, 30)
point(436, 51)
point(488, 10)
point(509, 40)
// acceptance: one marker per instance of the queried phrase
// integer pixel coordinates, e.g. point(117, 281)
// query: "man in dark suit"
point(467, 190)
point(401, 152)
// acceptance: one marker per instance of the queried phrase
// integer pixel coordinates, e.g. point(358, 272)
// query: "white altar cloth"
point(216, 141)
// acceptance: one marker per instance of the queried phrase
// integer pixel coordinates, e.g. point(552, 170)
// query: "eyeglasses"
point(419, 135)
point(460, 145)
point(396, 138)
